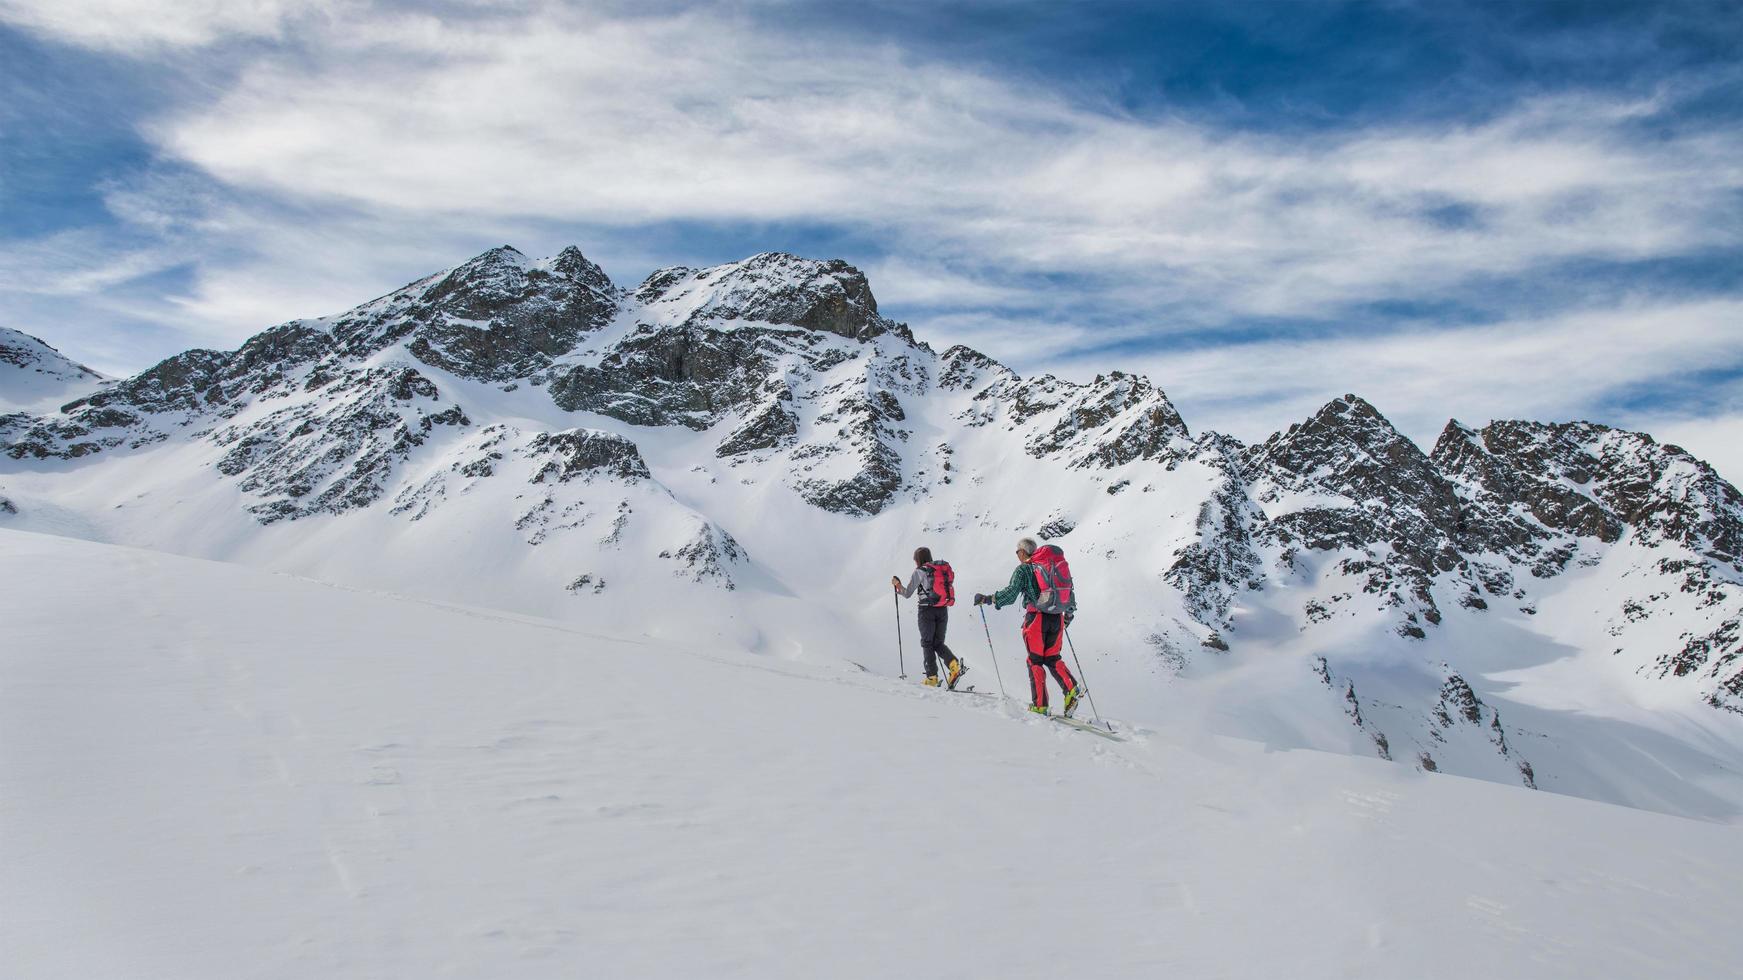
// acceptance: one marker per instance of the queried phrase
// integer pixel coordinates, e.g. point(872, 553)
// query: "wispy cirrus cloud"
point(590, 120)
point(145, 26)
point(1542, 368)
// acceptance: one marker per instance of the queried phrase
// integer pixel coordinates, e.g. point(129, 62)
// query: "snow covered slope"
point(208, 771)
point(35, 377)
point(741, 456)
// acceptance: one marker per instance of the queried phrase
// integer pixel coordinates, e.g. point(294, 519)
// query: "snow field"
point(208, 770)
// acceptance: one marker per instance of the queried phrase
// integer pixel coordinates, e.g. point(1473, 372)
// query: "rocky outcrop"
point(1221, 561)
point(585, 453)
point(852, 466)
point(335, 454)
point(709, 556)
point(690, 375)
point(1114, 420)
point(772, 426)
point(773, 287)
point(1459, 706)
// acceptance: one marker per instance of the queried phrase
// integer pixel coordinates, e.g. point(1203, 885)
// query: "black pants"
point(934, 620)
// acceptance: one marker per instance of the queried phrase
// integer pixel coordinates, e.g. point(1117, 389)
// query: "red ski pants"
point(1042, 635)
point(1039, 668)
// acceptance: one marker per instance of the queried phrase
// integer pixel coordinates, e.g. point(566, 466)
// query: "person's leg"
point(1061, 673)
point(1037, 671)
point(943, 628)
point(929, 638)
point(1037, 682)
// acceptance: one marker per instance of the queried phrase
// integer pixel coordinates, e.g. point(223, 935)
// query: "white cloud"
point(904, 280)
point(569, 116)
point(150, 25)
point(78, 261)
point(1553, 368)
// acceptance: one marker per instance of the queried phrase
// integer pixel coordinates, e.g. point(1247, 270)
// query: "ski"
point(962, 689)
point(1085, 726)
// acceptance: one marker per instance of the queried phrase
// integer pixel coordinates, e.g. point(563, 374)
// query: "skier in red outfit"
point(1042, 580)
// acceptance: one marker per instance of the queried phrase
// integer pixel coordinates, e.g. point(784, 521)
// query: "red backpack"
point(941, 590)
point(1053, 575)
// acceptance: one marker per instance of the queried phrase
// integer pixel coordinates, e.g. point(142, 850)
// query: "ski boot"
point(931, 682)
point(1039, 709)
point(1073, 698)
point(957, 669)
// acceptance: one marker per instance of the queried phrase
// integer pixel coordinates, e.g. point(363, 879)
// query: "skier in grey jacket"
point(935, 583)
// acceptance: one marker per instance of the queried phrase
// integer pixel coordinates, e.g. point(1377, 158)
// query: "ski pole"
point(1082, 679)
point(993, 653)
point(901, 658)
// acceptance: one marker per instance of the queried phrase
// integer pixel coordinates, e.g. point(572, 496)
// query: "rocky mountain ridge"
point(770, 400)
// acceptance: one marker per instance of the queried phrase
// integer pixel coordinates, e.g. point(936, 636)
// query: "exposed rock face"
point(773, 287)
point(581, 453)
point(1116, 419)
point(1592, 481)
point(1221, 562)
point(1346, 480)
point(498, 317)
point(689, 375)
point(772, 426)
point(1539, 494)
point(336, 454)
point(1459, 707)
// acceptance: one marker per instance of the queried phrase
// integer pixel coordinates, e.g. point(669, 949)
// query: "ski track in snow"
point(213, 771)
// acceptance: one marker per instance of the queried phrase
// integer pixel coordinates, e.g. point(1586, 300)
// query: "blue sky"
point(1470, 210)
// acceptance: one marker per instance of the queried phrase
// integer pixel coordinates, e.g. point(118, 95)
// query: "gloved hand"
point(982, 600)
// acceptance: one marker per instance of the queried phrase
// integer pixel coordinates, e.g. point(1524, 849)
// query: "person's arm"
point(1014, 591)
point(913, 584)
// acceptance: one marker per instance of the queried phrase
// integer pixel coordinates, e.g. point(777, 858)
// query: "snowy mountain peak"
point(1349, 449)
point(36, 377)
point(571, 264)
point(966, 369)
point(497, 316)
point(1591, 480)
point(1116, 419)
point(501, 255)
point(506, 264)
point(28, 353)
point(771, 287)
